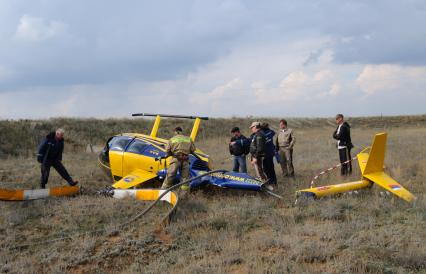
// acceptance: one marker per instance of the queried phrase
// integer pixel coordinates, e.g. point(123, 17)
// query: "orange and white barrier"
point(34, 194)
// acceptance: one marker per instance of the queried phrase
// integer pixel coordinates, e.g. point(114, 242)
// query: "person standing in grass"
point(344, 144)
point(50, 155)
point(268, 160)
point(239, 147)
point(284, 144)
point(257, 150)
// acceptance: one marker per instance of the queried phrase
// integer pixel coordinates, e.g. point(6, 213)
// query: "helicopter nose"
point(104, 162)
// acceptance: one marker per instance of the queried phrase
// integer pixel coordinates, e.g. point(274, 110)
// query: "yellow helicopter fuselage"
point(131, 159)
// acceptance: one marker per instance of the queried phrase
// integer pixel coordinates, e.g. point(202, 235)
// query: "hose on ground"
point(40, 242)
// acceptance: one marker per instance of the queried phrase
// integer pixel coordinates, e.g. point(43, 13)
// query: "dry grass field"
point(217, 231)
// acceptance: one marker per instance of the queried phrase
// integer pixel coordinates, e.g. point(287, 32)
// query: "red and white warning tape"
point(329, 170)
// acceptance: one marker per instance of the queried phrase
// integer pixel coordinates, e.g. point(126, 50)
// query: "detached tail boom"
point(322, 191)
point(372, 169)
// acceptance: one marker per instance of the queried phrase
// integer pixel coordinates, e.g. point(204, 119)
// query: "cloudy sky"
point(98, 58)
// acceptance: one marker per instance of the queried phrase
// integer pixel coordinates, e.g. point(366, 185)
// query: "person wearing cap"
point(179, 147)
point(49, 155)
point(257, 150)
point(344, 144)
point(239, 147)
point(284, 144)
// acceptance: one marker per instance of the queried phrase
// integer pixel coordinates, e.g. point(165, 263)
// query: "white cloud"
point(224, 91)
point(301, 86)
point(294, 80)
point(32, 28)
point(335, 89)
point(389, 78)
point(323, 75)
point(214, 100)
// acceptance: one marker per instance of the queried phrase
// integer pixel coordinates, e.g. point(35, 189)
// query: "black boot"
point(73, 183)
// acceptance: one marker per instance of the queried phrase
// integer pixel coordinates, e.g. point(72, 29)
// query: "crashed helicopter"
point(134, 160)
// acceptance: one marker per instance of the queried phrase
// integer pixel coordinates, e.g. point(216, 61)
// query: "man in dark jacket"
point(257, 150)
point(344, 144)
point(239, 148)
point(50, 155)
point(268, 160)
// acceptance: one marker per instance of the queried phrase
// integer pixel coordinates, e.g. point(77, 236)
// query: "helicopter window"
point(119, 143)
point(137, 147)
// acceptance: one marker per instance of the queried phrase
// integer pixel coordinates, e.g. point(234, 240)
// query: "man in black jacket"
point(344, 144)
point(50, 155)
point(239, 148)
point(257, 150)
point(268, 160)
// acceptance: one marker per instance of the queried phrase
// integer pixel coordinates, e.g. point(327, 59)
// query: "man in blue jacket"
point(239, 147)
point(50, 155)
point(268, 160)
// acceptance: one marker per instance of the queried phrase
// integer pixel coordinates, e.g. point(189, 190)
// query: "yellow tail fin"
point(376, 156)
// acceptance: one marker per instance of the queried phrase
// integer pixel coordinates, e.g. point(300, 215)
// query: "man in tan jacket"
point(284, 144)
point(179, 147)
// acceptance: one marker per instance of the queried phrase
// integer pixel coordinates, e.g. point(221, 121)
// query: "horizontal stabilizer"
point(134, 178)
point(385, 181)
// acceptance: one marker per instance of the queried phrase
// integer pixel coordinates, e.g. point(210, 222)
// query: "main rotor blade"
point(168, 116)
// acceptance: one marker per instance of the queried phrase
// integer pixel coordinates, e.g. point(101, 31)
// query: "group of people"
point(262, 146)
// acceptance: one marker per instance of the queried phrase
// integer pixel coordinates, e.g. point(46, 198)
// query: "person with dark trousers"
point(239, 147)
point(257, 150)
point(268, 160)
point(50, 155)
point(344, 144)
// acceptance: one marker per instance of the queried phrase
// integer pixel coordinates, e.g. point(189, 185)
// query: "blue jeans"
point(240, 164)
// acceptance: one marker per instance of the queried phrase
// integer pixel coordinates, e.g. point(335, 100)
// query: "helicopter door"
point(117, 146)
point(140, 155)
